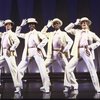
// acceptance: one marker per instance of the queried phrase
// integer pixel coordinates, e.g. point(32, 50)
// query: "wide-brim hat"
point(31, 20)
point(8, 21)
point(57, 20)
point(85, 19)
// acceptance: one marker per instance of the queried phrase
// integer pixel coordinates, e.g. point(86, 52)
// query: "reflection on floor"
point(32, 90)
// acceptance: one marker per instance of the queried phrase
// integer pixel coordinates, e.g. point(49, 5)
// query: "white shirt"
point(84, 38)
point(4, 41)
point(31, 40)
point(57, 40)
point(57, 44)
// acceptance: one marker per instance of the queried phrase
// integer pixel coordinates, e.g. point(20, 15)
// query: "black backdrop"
point(44, 10)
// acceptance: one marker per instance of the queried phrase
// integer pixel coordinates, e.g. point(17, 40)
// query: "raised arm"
point(1, 25)
point(18, 29)
point(70, 28)
point(45, 28)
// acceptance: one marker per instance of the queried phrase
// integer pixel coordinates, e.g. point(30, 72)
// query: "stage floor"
point(32, 90)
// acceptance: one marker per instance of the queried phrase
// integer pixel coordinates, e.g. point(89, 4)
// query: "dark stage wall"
point(44, 10)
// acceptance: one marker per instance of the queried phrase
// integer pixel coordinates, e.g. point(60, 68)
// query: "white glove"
point(12, 48)
point(49, 23)
point(65, 49)
point(1, 23)
point(24, 22)
point(18, 29)
point(77, 22)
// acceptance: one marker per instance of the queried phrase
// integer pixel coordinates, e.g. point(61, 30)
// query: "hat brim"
point(57, 21)
point(87, 21)
point(32, 22)
point(8, 23)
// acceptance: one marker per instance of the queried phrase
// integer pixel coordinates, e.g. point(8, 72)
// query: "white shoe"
point(75, 88)
point(42, 88)
point(67, 89)
point(46, 90)
point(17, 90)
point(98, 91)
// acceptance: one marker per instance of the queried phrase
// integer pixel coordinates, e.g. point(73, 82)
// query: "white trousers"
point(90, 65)
point(63, 62)
point(42, 69)
point(12, 67)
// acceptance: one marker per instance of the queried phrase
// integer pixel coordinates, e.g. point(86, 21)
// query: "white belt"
point(32, 47)
point(5, 48)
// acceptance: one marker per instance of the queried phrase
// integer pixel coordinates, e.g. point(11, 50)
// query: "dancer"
point(59, 44)
point(83, 47)
point(33, 48)
point(9, 43)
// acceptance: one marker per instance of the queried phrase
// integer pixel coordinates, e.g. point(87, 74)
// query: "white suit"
point(9, 41)
point(57, 42)
point(32, 43)
point(78, 50)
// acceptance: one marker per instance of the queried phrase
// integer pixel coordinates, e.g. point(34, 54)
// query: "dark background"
point(44, 10)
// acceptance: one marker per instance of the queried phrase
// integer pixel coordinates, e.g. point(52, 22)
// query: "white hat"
point(8, 21)
point(85, 19)
point(31, 20)
point(57, 20)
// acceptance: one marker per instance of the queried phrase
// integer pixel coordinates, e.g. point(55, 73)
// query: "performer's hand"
point(77, 22)
point(12, 53)
point(1, 23)
point(64, 49)
point(39, 50)
point(24, 22)
point(18, 29)
point(87, 50)
point(49, 23)
point(8, 53)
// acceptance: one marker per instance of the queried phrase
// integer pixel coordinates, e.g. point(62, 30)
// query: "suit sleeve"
point(44, 40)
point(44, 31)
point(97, 43)
point(70, 28)
point(18, 30)
point(14, 42)
point(1, 34)
point(69, 42)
